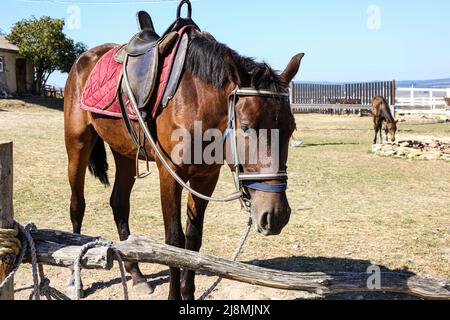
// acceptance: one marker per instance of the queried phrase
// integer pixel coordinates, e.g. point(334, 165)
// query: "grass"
point(350, 207)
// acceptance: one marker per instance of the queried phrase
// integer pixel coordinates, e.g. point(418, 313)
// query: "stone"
point(412, 156)
point(389, 153)
point(405, 144)
point(434, 145)
point(431, 156)
point(401, 152)
point(376, 148)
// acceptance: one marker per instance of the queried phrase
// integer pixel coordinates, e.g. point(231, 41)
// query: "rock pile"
point(415, 150)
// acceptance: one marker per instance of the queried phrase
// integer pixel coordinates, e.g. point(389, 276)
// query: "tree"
point(43, 42)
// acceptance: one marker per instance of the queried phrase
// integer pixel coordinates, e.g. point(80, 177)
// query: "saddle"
point(147, 58)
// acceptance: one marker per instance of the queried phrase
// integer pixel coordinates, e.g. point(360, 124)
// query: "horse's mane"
point(386, 111)
point(205, 60)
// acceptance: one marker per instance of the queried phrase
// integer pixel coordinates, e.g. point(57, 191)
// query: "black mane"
point(205, 60)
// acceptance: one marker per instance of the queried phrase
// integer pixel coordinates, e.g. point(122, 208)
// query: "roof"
point(6, 45)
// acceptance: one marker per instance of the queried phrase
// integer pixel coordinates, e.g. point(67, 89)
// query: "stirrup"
point(147, 173)
point(141, 150)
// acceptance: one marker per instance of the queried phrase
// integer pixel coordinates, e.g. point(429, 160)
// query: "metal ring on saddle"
point(183, 2)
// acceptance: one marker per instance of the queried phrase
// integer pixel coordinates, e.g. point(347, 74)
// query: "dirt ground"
point(351, 208)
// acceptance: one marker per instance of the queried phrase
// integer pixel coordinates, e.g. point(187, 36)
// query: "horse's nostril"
point(264, 222)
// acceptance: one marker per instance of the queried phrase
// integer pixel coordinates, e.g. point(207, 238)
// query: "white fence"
point(422, 101)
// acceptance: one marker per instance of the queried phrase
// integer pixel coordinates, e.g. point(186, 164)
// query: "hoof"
point(143, 288)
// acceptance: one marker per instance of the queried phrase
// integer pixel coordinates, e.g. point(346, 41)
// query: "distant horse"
point(381, 113)
point(447, 101)
point(212, 73)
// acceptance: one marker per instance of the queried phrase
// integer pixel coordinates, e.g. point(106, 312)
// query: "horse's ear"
point(292, 69)
point(232, 68)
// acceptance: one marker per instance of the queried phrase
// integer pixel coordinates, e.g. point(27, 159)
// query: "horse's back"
point(84, 65)
point(76, 82)
point(377, 104)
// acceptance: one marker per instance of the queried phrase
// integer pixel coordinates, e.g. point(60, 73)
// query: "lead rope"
point(234, 258)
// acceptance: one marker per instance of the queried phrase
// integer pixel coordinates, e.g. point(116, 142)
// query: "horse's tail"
point(98, 164)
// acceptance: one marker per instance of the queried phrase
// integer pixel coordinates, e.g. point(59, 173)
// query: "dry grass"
point(350, 208)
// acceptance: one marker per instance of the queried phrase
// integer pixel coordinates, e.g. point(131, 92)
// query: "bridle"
point(254, 181)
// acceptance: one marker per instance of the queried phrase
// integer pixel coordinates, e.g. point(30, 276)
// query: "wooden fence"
point(57, 248)
point(339, 98)
point(422, 101)
point(52, 91)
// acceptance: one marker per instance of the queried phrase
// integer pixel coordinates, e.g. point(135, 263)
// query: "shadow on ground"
point(155, 280)
point(333, 265)
point(327, 144)
point(292, 264)
point(46, 102)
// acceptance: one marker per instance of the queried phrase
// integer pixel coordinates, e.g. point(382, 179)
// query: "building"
point(16, 73)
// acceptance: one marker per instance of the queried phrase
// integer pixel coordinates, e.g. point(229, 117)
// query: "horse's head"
point(391, 130)
point(264, 126)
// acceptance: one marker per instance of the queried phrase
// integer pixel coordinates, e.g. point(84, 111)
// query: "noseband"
point(253, 181)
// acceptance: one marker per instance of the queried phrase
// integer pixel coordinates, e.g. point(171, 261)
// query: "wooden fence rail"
point(60, 249)
point(351, 93)
point(339, 98)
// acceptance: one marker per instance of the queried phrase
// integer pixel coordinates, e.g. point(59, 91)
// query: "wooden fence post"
point(6, 214)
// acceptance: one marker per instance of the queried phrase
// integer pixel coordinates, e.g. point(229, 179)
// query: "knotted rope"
point(9, 243)
point(25, 243)
point(77, 265)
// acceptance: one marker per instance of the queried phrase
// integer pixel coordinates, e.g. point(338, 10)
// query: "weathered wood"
point(60, 255)
point(62, 237)
point(6, 214)
point(58, 248)
point(140, 249)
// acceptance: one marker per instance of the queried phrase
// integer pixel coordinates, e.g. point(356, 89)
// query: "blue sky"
point(345, 40)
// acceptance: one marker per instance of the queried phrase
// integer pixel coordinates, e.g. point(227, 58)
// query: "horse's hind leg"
point(79, 148)
point(120, 204)
point(79, 145)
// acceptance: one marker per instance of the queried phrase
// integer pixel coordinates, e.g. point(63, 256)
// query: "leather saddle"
point(143, 55)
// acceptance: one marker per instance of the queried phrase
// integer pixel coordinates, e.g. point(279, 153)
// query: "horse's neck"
point(214, 108)
point(386, 113)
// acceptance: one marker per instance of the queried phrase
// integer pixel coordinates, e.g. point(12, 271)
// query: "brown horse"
point(212, 71)
point(382, 113)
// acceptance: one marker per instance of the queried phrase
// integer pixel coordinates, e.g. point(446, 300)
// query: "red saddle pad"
point(100, 93)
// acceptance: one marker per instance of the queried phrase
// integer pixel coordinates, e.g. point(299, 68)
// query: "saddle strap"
point(123, 110)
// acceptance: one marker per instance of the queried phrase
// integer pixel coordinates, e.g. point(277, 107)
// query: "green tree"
point(43, 42)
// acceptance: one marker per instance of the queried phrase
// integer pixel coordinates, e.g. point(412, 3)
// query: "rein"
point(254, 181)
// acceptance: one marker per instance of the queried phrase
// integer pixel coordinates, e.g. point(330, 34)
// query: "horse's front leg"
point(194, 226)
point(171, 208)
point(381, 132)
point(376, 129)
